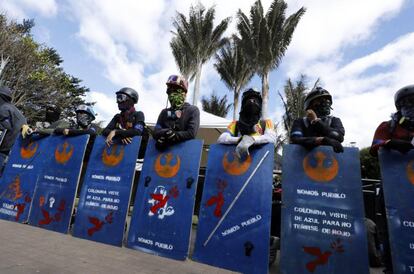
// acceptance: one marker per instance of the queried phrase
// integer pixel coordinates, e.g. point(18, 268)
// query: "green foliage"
point(370, 168)
point(196, 40)
point(293, 101)
point(34, 73)
point(234, 69)
point(216, 105)
point(266, 37)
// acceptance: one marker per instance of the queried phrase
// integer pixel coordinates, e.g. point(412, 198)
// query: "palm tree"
point(294, 100)
point(195, 40)
point(234, 69)
point(265, 38)
point(216, 105)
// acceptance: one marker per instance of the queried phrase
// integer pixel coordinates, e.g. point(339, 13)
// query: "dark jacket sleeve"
point(298, 135)
point(137, 129)
point(334, 131)
point(192, 125)
point(111, 126)
point(159, 128)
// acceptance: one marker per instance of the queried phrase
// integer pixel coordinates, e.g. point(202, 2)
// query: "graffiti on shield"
point(159, 202)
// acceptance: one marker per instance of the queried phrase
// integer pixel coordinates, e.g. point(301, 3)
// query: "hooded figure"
point(318, 127)
point(129, 122)
point(11, 122)
point(181, 121)
point(249, 129)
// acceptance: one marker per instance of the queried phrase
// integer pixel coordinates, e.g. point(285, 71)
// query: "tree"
point(234, 69)
point(294, 100)
point(369, 165)
point(265, 39)
point(216, 105)
point(34, 73)
point(195, 41)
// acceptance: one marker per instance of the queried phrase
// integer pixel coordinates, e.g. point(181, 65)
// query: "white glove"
point(26, 131)
point(242, 149)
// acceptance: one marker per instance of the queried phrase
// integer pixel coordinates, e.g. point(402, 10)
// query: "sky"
point(362, 51)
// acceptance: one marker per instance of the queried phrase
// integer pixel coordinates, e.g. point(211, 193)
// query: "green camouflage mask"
point(177, 98)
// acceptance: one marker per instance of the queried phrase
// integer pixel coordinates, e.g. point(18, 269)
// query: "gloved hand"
point(170, 135)
point(26, 131)
point(337, 147)
point(242, 149)
point(400, 145)
point(161, 143)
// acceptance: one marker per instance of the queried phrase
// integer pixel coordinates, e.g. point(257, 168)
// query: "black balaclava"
point(124, 102)
point(321, 106)
point(250, 113)
point(52, 114)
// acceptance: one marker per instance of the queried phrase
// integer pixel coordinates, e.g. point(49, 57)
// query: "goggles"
point(121, 97)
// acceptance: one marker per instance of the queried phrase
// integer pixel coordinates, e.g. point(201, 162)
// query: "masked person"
point(396, 134)
point(318, 127)
point(11, 122)
point(249, 129)
point(84, 117)
point(129, 122)
point(181, 121)
point(48, 125)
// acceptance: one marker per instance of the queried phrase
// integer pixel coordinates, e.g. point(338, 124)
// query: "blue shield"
point(323, 212)
point(57, 183)
point(19, 178)
point(104, 199)
point(397, 172)
point(164, 202)
point(234, 222)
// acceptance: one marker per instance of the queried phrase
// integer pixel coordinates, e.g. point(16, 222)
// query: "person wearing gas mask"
point(48, 125)
point(129, 122)
point(318, 127)
point(181, 121)
point(84, 117)
point(11, 122)
point(250, 129)
point(396, 134)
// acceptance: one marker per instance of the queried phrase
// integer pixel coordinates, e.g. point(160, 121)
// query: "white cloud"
point(18, 8)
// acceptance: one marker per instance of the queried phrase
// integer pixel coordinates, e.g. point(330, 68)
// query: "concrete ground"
point(27, 249)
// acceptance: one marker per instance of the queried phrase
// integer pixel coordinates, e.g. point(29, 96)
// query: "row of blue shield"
point(322, 214)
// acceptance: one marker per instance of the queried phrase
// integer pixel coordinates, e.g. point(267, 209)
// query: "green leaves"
point(34, 73)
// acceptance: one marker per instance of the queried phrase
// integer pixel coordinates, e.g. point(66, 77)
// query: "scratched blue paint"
point(241, 241)
point(104, 199)
point(398, 183)
point(58, 182)
point(322, 220)
point(19, 178)
point(163, 208)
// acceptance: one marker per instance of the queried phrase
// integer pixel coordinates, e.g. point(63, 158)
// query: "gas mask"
point(83, 119)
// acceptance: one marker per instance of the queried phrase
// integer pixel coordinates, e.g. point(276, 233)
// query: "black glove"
point(161, 143)
point(337, 147)
point(170, 136)
point(400, 145)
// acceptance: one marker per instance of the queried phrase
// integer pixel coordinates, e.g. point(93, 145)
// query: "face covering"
point(83, 120)
point(176, 98)
point(249, 116)
point(125, 105)
point(322, 107)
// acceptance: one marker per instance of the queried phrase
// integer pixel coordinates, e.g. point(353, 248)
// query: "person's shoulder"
point(190, 107)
